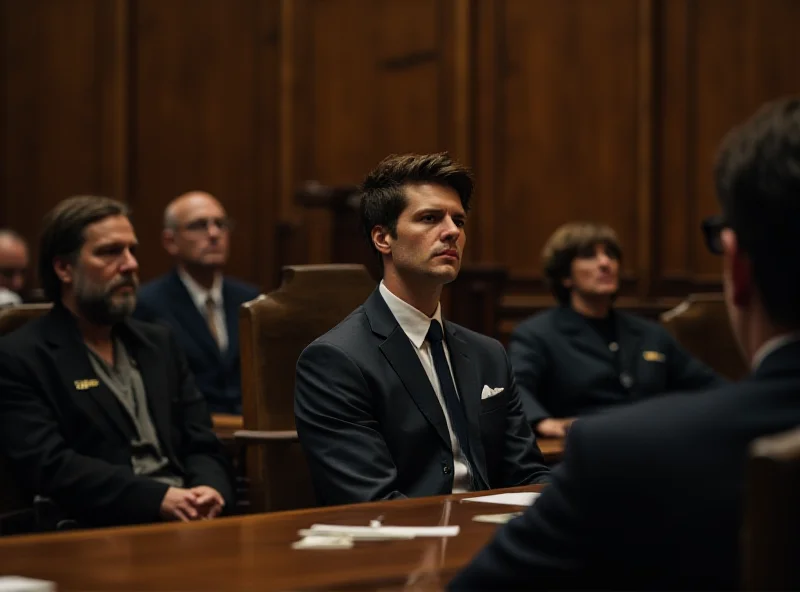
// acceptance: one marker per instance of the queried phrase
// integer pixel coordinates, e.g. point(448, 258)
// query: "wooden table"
point(225, 425)
point(552, 449)
point(254, 553)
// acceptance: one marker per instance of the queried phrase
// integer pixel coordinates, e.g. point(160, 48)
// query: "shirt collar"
point(198, 293)
point(772, 345)
point(414, 323)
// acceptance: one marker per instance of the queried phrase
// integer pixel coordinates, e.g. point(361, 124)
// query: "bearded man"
point(99, 412)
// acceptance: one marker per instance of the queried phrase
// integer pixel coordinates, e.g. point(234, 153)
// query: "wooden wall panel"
point(721, 60)
point(375, 78)
point(60, 126)
point(566, 109)
point(202, 109)
point(565, 116)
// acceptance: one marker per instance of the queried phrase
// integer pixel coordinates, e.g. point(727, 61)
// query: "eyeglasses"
point(204, 224)
point(712, 229)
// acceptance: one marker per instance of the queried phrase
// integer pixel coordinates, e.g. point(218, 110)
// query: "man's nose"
point(214, 231)
point(129, 262)
point(450, 229)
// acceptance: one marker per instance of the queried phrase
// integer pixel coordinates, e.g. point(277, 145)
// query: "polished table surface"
point(254, 552)
point(552, 449)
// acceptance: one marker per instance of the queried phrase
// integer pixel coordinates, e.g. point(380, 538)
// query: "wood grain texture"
point(566, 109)
point(254, 553)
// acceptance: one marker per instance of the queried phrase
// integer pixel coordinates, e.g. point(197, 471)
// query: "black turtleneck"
point(606, 327)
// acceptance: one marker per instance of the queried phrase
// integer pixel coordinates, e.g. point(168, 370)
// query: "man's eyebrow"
point(116, 243)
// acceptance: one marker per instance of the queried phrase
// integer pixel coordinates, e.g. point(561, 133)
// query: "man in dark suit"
point(622, 358)
point(650, 497)
point(394, 402)
point(98, 412)
point(196, 301)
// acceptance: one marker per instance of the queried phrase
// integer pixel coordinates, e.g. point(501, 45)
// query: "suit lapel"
point(78, 375)
point(469, 388)
point(150, 364)
point(399, 352)
point(190, 318)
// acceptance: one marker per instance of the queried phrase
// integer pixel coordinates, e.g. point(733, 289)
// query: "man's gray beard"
point(103, 311)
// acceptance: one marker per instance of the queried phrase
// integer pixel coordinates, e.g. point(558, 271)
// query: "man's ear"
point(567, 283)
point(64, 270)
point(168, 241)
point(382, 239)
point(737, 268)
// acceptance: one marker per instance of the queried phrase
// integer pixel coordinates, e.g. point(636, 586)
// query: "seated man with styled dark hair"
point(583, 356)
point(650, 497)
point(396, 401)
point(99, 412)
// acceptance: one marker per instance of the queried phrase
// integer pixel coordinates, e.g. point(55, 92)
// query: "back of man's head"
point(758, 183)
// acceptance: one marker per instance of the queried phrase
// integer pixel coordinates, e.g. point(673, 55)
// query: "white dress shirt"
point(772, 345)
point(200, 295)
point(415, 325)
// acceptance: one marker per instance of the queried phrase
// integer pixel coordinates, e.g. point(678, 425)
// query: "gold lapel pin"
point(86, 384)
point(654, 356)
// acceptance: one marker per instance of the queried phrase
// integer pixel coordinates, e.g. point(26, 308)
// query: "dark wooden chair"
point(13, 317)
point(274, 330)
point(771, 536)
point(700, 324)
point(17, 513)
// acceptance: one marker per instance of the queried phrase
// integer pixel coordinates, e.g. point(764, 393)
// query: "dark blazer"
point(166, 300)
point(70, 441)
point(649, 496)
point(564, 368)
point(372, 428)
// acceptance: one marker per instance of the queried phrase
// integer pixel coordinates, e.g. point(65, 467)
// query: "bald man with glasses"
point(197, 301)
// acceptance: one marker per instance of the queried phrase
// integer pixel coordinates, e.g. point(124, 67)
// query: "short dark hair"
point(382, 197)
point(63, 234)
point(568, 242)
point(757, 175)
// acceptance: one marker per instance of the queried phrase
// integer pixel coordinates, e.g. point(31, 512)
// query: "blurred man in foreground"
point(650, 497)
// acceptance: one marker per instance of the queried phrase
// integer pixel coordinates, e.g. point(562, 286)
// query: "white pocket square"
point(490, 392)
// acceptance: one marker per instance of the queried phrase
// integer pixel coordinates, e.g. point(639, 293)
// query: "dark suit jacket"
point(166, 300)
point(70, 441)
point(372, 427)
point(649, 496)
point(564, 368)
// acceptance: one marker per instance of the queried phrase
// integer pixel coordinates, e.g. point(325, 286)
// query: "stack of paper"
point(523, 498)
point(332, 536)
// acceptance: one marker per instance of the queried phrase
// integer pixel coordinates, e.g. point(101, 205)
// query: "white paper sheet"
point(523, 498)
point(22, 584)
point(324, 542)
point(388, 532)
point(495, 518)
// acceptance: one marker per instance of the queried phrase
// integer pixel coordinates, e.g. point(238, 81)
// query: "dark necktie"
point(212, 326)
point(454, 407)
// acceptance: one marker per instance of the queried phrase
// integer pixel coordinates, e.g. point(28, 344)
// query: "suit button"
point(446, 469)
